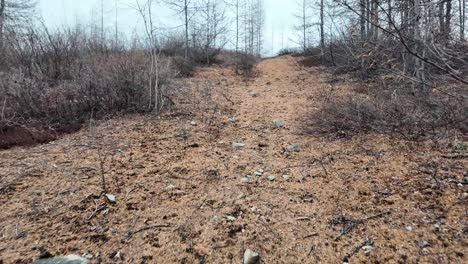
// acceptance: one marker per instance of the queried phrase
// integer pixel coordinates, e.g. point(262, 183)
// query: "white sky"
point(278, 33)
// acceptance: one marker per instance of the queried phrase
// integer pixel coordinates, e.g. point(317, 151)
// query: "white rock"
point(238, 145)
point(231, 218)
point(70, 259)
point(251, 257)
point(368, 249)
point(111, 198)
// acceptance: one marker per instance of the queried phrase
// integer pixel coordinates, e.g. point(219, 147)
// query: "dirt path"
point(327, 200)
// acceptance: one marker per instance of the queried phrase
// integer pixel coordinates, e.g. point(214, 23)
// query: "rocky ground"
point(229, 169)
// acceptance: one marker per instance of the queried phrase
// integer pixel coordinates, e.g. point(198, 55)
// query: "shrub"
point(63, 78)
point(383, 111)
point(247, 64)
point(183, 67)
point(288, 51)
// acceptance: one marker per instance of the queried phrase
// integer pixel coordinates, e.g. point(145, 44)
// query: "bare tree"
point(303, 16)
point(462, 18)
point(183, 6)
point(14, 14)
point(2, 22)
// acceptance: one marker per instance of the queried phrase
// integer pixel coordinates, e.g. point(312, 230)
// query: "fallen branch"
point(350, 224)
point(145, 228)
point(310, 235)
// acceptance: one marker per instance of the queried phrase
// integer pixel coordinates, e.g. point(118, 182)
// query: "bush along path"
point(228, 176)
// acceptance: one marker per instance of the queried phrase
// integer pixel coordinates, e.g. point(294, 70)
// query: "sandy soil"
point(181, 196)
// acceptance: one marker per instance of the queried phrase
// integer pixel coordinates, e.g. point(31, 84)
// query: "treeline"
point(53, 77)
point(410, 55)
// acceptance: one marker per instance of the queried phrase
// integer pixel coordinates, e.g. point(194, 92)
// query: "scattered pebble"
point(251, 257)
point(238, 145)
point(245, 180)
point(193, 123)
point(278, 123)
point(171, 187)
point(118, 256)
point(367, 249)
point(465, 179)
point(286, 177)
point(253, 94)
point(257, 173)
point(70, 259)
point(294, 147)
point(111, 198)
point(271, 178)
point(423, 244)
point(230, 218)
point(240, 196)
point(409, 228)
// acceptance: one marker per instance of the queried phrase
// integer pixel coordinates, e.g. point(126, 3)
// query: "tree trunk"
point(237, 36)
point(448, 19)
point(461, 15)
point(186, 31)
point(2, 23)
point(304, 26)
point(322, 22)
point(363, 20)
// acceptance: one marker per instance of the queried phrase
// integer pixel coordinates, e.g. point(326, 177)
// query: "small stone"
point(423, 244)
point(253, 94)
point(426, 251)
point(271, 178)
point(111, 198)
point(70, 259)
point(428, 191)
point(193, 123)
point(409, 228)
point(465, 179)
point(245, 180)
point(257, 173)
point(238, 145)
point(286, 177)
point(368, 249)
point(251, 257)
point(294, 147)
point(278, 123)
point(240, 196)
point(231, 218)
point(260, 170)
point(117, 256)
point(170, 187)
point(88, 256)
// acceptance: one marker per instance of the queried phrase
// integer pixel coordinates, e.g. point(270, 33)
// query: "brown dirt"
point(32, 135)
point(165, 171)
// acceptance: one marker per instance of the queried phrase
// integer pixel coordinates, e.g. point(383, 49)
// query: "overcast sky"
point(278, 33)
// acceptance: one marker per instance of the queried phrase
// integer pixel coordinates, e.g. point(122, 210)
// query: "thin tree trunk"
point(448, 19)
point(363, 20)
point(2, 23)
point(237, 36)
point(322, 33)
point(304, 26)
point(461, 6)
point(186, 31)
